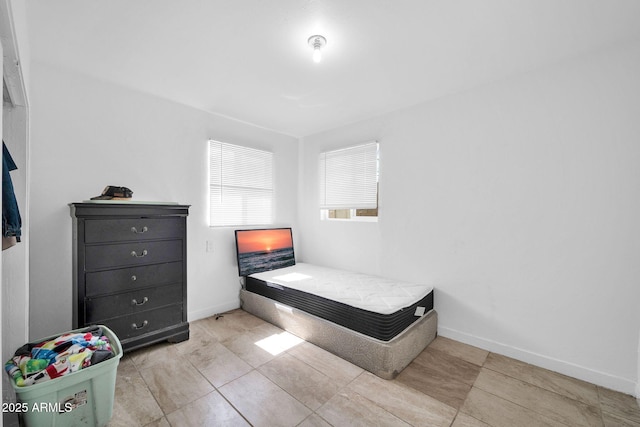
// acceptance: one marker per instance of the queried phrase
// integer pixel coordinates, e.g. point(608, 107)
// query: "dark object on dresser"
point(130, 270)
point(114, 192)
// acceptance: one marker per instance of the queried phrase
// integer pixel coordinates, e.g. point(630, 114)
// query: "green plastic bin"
point(81, 398)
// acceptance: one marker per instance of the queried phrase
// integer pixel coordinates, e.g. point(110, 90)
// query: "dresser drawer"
point(148, 321)
point(131, 278)
point(133, 253)
point(109, 306)
point(120, 230)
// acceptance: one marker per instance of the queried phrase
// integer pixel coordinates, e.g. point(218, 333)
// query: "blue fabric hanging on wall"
point(11, 220)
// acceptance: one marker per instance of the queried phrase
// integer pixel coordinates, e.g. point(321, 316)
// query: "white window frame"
point(241, 185)
point(357, 165)
point(353, 217)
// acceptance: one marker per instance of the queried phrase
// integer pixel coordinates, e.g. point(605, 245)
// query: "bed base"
point(385, 359)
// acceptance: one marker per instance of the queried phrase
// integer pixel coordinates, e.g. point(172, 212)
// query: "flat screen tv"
point(264, 250)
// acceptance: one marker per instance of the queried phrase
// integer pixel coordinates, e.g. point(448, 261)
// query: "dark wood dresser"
point(130, 270)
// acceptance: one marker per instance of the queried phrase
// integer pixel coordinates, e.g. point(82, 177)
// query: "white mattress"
point(372, 293)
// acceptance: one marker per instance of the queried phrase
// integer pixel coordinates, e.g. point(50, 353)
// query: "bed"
point(376, 323)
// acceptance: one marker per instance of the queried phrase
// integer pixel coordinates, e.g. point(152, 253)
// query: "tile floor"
point(220, 376)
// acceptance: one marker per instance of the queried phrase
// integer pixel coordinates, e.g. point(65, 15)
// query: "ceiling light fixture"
point(317, 42)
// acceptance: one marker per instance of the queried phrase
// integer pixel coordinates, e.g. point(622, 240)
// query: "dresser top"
point(120, 208)
point(125, 202)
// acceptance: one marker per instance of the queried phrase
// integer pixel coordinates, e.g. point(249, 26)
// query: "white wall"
point(518, 201)
point(88, 134)
point(15, 273)
point(14, 279)
point(637, 393)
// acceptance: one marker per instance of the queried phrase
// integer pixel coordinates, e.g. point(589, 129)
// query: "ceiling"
point(249, 59)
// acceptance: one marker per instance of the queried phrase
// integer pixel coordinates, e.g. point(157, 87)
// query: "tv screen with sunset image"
point(264, 250)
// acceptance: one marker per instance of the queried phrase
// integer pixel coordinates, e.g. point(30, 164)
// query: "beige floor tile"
point(300, 380)
point(231, 324)
point(466, 352)
point(272, 388)
point(222, 328)
point(464, 420)
point(552, 405)
point(314, 420)
point(611, 420)
point(133, 405)
point(434, 383)
point(348, 408)
point(198, 337)
point(218, 364)
point(262, 402)
point(241, 317)
point(245, 346)
point(162, 422)
point(404, 402)
point(175, 383)
point(619, 405)
point(341, 371)
point(155, 354)
point(209, 410)
point(498, 412)
point(449, 366)
point(548, 380)
point(198, 346)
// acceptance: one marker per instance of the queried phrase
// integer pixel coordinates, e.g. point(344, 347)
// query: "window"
point(241, 185)
point(349, 183)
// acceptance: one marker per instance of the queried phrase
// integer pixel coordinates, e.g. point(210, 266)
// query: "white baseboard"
point(602, 379)
point(210, 311)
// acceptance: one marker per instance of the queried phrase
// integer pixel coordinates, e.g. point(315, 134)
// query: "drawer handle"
point(135, 254)
point(134, 278)
point(135, 325)
point(135, 230)
point(135, 301)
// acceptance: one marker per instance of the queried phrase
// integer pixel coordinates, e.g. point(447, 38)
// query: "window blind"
point(349, 177)
point(241, 185)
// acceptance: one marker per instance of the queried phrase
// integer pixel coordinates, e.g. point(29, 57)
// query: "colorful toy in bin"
point(54, 358)
point(68, 379)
